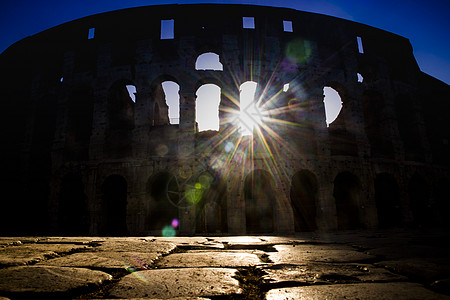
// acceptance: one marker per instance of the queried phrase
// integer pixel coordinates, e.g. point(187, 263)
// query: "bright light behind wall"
point(207, 107)
point(173, 100)
point(132, 91)
point(333, 104)
point(249, 114)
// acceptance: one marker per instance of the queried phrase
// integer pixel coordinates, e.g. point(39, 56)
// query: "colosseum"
point(213, 119)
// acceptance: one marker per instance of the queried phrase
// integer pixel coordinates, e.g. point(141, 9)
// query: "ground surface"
point(396, 264)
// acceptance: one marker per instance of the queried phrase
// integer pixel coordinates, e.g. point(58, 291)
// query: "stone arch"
point(79, 127)
point(211, 209)
point(419, 199)
point(207, 107)
point(113, 206)
point(387, 199)
point(347, 194)
point(73, 214)
point(208, 61)
point(340, 131)
point(373, 104)
point(164, 196)
point(165, 100)
point(303, 195)
point(120, 112)
point(260, 202)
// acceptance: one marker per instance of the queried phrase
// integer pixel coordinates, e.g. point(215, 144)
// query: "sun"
point(249, 115)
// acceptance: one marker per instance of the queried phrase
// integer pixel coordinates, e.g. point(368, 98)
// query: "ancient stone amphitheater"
point(211, 119)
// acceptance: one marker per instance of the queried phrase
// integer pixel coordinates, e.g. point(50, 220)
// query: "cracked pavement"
point(394, 264)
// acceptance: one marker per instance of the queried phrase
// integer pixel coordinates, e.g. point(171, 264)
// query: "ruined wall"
point(84, 155)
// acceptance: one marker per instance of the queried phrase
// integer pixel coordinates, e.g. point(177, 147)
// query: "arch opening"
point(114, 206)
point(333, 104)
point(207, 107)
point(303, 196)
point(172, 101)
point(73, 215)
point(387, 201)
point(163, 190)
point(211, 209)
point(347, 195)
point(250, 115)
point(208, 61)
point(259, 202)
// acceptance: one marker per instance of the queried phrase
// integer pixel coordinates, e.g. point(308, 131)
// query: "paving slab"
point(442, 285)
point(105, 260)
point(47, 279)
point(395, 252)
point(312, 273)
point(376, 291)
point(185, 240)
point(142, 245)
point(171, 283)
point(209, 259)
point(242, 240)
point(419, 269)
point(298, 254)
point(25, 254)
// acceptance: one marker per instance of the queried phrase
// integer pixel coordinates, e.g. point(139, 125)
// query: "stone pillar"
point(236, 201)
point(186, 142)
point(327, 219)
point(142, 117)
point(99, 124)
point(284, 213)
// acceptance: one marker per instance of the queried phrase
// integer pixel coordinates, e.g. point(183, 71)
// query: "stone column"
point(142, 117)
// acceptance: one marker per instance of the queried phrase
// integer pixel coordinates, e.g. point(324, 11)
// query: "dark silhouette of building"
point(88, 146)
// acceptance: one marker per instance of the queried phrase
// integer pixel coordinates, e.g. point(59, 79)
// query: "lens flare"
point(193, 195)
point(135, 273)
point(229, 146)
point(162, 150)
point(175, 223)
point(168, 231)
point(205, 181)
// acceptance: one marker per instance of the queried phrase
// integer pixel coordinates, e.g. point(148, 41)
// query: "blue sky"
point(425, 23)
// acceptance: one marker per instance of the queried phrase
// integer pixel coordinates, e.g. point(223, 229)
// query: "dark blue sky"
point(425, 23)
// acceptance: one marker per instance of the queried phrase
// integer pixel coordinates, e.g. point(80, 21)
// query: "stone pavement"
point(395, 264)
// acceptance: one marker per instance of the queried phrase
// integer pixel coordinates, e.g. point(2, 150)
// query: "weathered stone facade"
point(81, 157)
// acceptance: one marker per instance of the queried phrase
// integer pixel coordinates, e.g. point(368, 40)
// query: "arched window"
point(172, 99)
point(249, 113)
point(333, 104)
point(208, 61)
point(207, 107)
